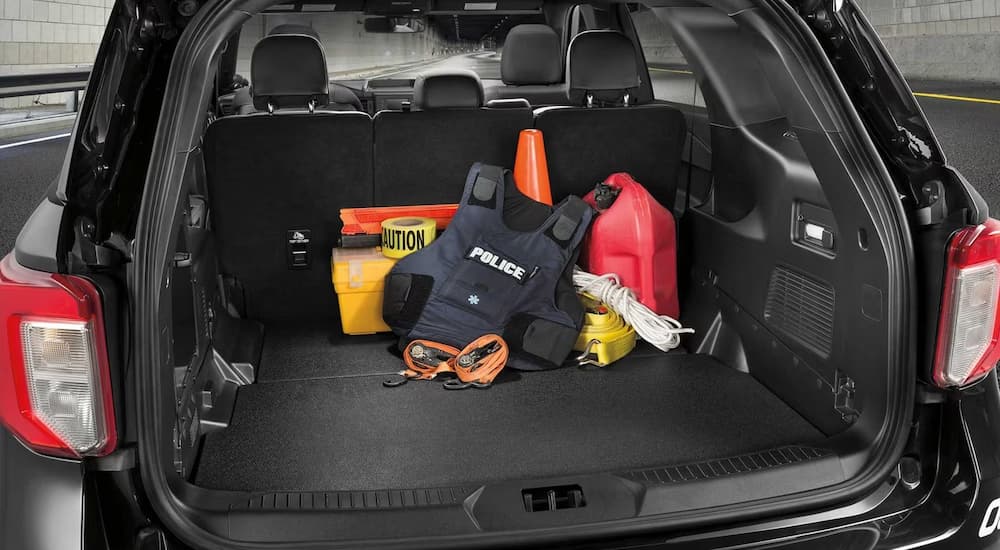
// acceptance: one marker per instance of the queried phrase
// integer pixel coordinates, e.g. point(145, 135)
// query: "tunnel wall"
point(658, 45)
point(348, 46)
point(44, 34)
point(957, 40)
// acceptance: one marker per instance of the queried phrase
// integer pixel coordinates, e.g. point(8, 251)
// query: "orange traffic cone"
point(531, 171)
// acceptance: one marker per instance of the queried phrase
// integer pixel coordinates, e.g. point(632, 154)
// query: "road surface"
point(27, 166)
point(966, 119)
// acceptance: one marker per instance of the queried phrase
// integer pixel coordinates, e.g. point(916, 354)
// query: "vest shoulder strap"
point(484, 186)
point(569, 222)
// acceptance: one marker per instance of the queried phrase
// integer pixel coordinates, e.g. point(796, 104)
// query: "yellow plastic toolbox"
point(358, 278)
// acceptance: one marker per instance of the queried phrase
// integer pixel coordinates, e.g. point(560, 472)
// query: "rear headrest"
point(602, 65)
point(454, 89)
point(289, 71)
point(531, 55)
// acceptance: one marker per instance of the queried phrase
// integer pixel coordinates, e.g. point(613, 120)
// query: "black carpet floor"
point(348, 432)
point(321, 350)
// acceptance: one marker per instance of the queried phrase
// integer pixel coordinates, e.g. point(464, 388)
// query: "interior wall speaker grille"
point(802, 308)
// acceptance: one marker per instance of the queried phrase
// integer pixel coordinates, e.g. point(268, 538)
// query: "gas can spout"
point(604, 196)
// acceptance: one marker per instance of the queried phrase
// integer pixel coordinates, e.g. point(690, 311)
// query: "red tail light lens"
point(55, 386)
point(968, 342)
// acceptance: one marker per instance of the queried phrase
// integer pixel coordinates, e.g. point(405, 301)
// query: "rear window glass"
point(669, 72)
point(468, 41)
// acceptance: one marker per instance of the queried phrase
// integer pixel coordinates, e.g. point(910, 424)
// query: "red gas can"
point(635, 237)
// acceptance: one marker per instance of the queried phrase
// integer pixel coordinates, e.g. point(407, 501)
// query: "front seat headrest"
point(343, 98)
point(292, 28)
point(531, 55)
point(602, 68)
point(289, 71)
point(454, 89)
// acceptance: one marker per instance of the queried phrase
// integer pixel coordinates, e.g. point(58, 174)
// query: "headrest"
point(603, 65)
point(531, 55)
point(292, 28)
point(509, 103)
point(289, 71)
point(454, 89)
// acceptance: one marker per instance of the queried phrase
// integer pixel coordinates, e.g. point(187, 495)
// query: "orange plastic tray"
point(368, 221)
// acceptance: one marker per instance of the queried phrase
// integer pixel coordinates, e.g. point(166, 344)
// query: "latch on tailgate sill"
point(843, 400)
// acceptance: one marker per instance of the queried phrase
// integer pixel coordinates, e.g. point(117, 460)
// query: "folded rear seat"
point(605, 131)
point(282, 177)
point(422, 156)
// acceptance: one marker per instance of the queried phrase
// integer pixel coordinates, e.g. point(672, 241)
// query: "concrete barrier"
point(59, 123)
point(937, 39)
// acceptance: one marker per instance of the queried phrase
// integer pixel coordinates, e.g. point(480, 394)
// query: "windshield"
point(473, 42)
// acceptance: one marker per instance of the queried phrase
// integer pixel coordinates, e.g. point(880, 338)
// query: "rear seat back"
point(279, 179)
point(604, 131)
point(531, 67)
point(423, 156)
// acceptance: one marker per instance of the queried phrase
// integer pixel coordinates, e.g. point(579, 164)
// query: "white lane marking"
point(414, 67)
point(419, 65)
point(36, 140)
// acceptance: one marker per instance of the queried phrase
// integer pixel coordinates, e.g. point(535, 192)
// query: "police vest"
point(481, 277)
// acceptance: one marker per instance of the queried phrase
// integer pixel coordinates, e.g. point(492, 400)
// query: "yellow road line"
point(958, 98)
point(677, 71)
point(918, 94)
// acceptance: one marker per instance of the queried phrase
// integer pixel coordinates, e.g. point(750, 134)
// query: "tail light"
point(55, 386)
point(968, 342)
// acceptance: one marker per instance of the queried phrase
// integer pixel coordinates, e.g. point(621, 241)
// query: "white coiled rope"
point(661, 331)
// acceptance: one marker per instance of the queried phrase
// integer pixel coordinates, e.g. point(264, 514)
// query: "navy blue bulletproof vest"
point(480, 277)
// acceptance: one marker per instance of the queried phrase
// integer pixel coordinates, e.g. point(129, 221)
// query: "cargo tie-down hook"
point(475, 366)
point(424, 361)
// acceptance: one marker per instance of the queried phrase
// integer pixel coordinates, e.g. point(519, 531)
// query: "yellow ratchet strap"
point(605, 337)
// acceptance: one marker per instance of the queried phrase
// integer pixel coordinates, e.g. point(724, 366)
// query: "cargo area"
point(319, 419)
point(279, 379)
point(734, 218)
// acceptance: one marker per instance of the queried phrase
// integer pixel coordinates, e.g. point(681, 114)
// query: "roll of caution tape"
point(404, 236)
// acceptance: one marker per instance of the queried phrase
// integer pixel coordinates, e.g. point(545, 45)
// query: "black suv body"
point(931, 479)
